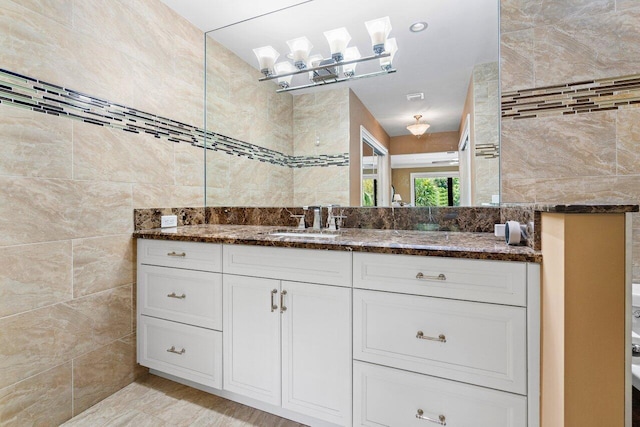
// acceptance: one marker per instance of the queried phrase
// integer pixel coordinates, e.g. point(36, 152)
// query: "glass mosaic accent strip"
point(572, 98)
point(26, 92)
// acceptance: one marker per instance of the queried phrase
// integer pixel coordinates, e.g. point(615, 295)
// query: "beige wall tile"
point(35, 341)
point(516, 60)
point(626, 4)
point(591, 47)
point(33, 276)
point(191, 196)
point(106, 154)
point(517, 15)
point(101, 154)
point(152, 159)
point(561, 190)
point(518, 191)
point(102, 263)
point(42, 400)
point(553, 12)
point(321, 186)
point(102, 372)
point(557, 147)
point(62, 209)
point(35, 144)
point(102, 208)
point(628, 141)
point(189, 163)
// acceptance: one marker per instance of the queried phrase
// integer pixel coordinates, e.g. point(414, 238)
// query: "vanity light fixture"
point(390, 46)
point(339, 67)
point(378, 30)
point(267, 56)
point(284, 68)
point(418, 129)
point(300, 49)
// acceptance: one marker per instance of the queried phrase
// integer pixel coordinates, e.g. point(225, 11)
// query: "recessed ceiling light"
point(418, 26)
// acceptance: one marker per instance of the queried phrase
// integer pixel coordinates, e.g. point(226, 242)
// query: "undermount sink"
point(303, 234)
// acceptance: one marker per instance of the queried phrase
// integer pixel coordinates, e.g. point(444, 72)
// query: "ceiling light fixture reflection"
point(418, 129)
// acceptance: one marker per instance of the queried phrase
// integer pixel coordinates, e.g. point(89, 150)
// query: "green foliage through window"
point(435, 191)
point(367, 192)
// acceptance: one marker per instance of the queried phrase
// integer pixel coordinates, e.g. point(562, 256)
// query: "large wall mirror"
point(306, 139)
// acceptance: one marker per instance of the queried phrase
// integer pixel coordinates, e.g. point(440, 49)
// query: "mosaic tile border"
point(21, 91)
point(572, 98)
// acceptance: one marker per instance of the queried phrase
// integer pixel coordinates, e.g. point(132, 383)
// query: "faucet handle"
point(301, 223)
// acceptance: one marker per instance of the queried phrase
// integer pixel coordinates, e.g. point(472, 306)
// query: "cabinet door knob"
point(173, 350)
point(441, 418)
point(174, 253)
point(282, 307)
point(421, 336)
point(440, 276)
point(274, 307)
point(173, 295)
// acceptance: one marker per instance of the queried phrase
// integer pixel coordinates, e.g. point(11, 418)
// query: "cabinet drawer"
point(196, 352)
point(189, 255)
point(473, 280)
point(193, 297)
point(482, 344)
point(298, 265)
point(389, 397)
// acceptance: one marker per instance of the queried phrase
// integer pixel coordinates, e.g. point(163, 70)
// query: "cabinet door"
point(316, 351)
point(252, 337)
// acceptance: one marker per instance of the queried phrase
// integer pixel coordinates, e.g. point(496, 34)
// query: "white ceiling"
point(438, 61)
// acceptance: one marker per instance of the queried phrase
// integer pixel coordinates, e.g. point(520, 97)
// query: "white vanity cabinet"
point(288, 343)
point(179, 309)
point(340, 338)
point(445, 341)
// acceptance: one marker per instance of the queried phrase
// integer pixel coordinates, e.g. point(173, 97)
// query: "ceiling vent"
point(415, 96)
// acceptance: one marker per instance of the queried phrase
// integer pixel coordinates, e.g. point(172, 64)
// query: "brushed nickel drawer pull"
point(173, 350)
point(274, 307)
point(438, 277)
point(173, 295)
point(174, 253)
point(282, 307)
point(420, 335)
point(441, 418)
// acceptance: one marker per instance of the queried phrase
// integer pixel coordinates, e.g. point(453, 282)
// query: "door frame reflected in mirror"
point(383, 168)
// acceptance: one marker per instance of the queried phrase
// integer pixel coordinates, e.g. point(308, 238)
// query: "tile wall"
point(486, 138)
point(252, 112)
point(68, 190)
point(570, 81)
point(320, 127)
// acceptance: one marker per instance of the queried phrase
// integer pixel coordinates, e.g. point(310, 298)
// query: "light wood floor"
point(157, 402)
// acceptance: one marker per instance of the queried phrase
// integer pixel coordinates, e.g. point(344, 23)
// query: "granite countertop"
point(407, 242)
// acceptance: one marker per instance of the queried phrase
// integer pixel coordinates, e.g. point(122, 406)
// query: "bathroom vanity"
point(369, 327)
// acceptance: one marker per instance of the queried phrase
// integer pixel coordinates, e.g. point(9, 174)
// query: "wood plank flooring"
point(157, 402)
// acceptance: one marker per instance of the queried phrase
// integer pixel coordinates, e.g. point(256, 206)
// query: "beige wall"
point(67, 260)
point(578, 158)
point(322, 114)
point(428, 143)
point(360, 116)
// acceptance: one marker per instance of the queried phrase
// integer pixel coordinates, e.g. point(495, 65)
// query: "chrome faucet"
point(334, 222)
point(317, 217)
